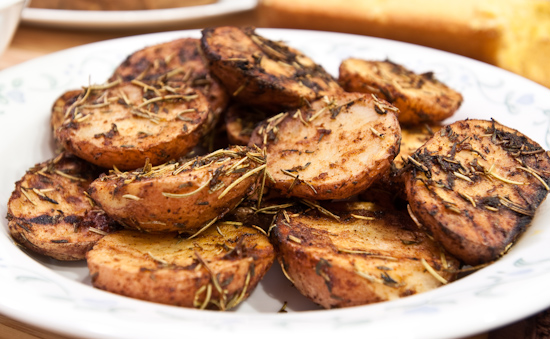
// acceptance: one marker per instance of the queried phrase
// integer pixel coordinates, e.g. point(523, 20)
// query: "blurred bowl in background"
point(10, 13)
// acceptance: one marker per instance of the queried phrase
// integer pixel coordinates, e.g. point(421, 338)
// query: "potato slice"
point(358, 253)
point(476, 186)
point(49, 213)
point(412, 137)
point(174, 62)
point(216, 270)
point(240, 122)
point(421, 98)
point(180, 197)
point(58, 108)
point(122, 124)
point(260, 72)
point(332, 149)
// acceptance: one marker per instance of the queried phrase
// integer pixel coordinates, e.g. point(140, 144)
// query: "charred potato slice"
point(342, 255)
point(332, 149)
point(240, 122)
point(174, 62)
point(182, 197)
point(58, 109)
point(476, 186)
point(123, 124)
point(420, 97)
point(261, 72)
point(216, 270)
point(49, 213)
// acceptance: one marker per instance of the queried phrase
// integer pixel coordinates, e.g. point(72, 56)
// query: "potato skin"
point(472, 186)
point(351, 261)
point(57, 222)
point(421, 98)
point(333, 149)
point(259, 72)
point(114, 125)
point(148, 199)
point(166, 269)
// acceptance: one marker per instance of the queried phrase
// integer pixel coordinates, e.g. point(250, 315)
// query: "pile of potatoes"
point(200, 162)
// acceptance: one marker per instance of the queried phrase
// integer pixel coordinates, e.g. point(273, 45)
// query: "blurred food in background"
point(117, 5)
point(511, 34)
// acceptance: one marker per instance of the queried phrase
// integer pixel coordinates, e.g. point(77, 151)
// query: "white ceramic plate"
point(58, 296)
point(132, 19)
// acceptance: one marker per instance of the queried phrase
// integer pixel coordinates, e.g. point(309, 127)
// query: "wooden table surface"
point(31, 42)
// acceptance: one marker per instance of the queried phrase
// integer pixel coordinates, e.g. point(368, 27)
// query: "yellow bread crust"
point(511, 34)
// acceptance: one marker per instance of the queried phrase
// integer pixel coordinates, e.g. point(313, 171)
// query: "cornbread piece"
point(512, 34)
point(261, 72)
point(420, 97)
point(332, 149)
point(358, 253)
point(216, 270)
point(182, 197)
point(49, 213)
point(476, 186)
point(174, 63)
point(123, 124)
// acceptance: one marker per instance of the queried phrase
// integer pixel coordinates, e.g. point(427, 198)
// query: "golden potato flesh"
point(216, 270)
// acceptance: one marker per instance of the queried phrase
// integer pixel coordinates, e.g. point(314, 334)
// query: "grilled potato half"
point(421, 98)
point(349, 254)
point(183, 197)
point(261, 72)
point(332, 149)
point(174, 62)
point(49, 213)
point(476, 186)
point(216, 270)
point(122, 124)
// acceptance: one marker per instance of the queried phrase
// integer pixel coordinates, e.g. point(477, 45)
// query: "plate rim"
point(132, 19)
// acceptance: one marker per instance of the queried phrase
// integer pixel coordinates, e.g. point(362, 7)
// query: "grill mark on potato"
point(256, 69)
point(57, 224)
point(420, 97)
